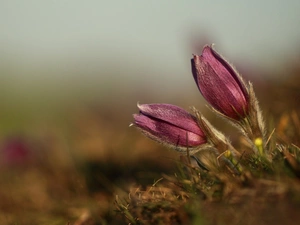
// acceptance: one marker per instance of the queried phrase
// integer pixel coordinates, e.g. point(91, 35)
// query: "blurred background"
point(65, 53)
point(71, 73)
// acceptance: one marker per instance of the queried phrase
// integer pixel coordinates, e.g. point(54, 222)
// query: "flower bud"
point(220, 84)
point(169, 125)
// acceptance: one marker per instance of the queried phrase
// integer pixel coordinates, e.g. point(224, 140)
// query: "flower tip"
point(140, 106)
point(209, 46)
point(195, 57)
point(208, 49)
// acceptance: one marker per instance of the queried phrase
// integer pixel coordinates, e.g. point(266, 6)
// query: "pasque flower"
point(220, 84)
point(224, 89)
point(170, 125)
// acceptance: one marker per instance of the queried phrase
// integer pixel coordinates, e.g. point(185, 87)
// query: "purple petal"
point(219, 83)
point(165, 132)
point(172, 114)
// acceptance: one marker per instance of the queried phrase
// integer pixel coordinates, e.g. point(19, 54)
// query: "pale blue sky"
point(45, 27)
point(144, 35)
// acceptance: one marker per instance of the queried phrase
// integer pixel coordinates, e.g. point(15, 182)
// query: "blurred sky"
point(116, 45)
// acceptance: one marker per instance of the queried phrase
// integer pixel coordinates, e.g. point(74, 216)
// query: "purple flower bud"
point(169, 125)
point(220, 84)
